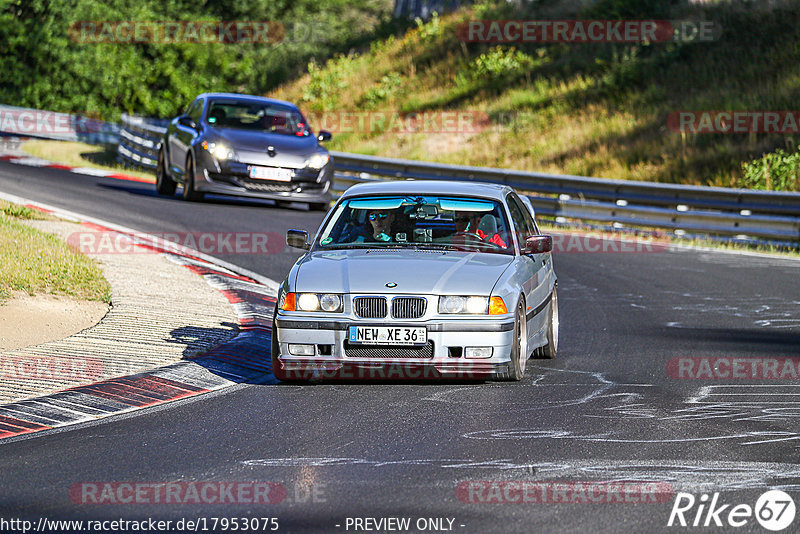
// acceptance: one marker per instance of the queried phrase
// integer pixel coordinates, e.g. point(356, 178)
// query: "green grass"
point(21, 212)
point(37, 262)
point(586, 109)
point(82, 155)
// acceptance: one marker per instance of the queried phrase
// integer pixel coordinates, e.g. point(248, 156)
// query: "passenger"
point(468, 222)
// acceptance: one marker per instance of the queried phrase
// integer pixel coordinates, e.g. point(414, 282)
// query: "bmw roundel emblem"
point(391, 284)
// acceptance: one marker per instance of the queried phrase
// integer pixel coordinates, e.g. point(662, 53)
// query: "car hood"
point(414, 272)
point(259, 141)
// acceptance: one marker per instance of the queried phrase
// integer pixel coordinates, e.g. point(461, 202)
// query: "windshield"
point(446, 223)
point(255, 116)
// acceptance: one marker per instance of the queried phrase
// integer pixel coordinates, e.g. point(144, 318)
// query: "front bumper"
point(444, 357)
point(231, 178)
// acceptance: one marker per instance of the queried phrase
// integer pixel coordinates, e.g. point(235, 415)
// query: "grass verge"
point(38, 262)
point(589, 109)
point(82, 155)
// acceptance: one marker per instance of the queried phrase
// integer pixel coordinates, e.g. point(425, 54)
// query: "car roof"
point(430, 187)
point(246, 98)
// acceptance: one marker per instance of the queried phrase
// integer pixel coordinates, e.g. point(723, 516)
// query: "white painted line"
point(92, 172)
point(31, 162)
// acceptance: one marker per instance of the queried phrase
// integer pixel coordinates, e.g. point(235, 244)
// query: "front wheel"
point(549, 351)
point(164, 183)
point(519, 348)
point(189, 192)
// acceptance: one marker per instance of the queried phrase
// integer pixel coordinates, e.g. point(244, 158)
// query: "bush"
point(44, 66)
point(779, 171)
point(495, 68)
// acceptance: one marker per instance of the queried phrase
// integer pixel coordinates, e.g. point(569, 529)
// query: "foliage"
point(45, 66)
point(495, 68)
point(779, 170)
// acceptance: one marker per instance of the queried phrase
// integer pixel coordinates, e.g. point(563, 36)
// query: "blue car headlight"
point(317, 161)
point(220, 151)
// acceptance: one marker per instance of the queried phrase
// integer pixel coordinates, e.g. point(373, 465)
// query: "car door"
point(181, 136)
point(536, 267)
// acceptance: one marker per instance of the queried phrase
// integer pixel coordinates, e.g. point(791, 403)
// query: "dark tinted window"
point(530, 224)
point(195, 110)
point(521, 228)
point(257, 116)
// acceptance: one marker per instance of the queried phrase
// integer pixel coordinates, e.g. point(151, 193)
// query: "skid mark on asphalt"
point(759, 310)
point(629, 411)
point(443, 463)
point(683, 475)
point(594, 385)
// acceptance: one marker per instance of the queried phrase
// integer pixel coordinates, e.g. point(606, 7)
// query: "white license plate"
point(270, 173)
point(388, 335)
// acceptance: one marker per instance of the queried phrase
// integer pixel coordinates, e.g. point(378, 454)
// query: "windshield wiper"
point(345, 246)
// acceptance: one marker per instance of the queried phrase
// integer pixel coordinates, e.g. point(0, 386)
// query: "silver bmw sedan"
point(418, 279)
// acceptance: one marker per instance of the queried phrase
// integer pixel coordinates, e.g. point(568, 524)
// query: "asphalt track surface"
point(606, 409)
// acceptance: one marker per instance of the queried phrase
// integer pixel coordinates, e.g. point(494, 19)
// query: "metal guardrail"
point(140, 140)
point(35, 123)
point(738, 213)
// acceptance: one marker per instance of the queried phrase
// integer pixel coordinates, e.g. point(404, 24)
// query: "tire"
point(549, 351)
point(318, 206)
point(189, 192)
point(165, 185)
point(519, 355)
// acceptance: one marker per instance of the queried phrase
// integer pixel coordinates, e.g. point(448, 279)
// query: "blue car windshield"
point(254, 116)
point(446, 223)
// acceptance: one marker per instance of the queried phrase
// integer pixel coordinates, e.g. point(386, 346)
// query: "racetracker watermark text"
point(176, 31)
point(207, 492)
point(40, 123)
point(566, 492)
point(734, 122)
point(726, 368)
point(397, 122)
point(586, 31)
point(574, 242)
point(89, 242)
point(49, 368)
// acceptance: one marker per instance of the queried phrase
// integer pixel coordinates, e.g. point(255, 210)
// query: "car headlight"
point(317, 161)
point(221, 151)
point(463, 304)
point(327, 302)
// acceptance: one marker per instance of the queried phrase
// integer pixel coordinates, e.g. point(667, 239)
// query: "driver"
point(381, 223)
point(467, 223)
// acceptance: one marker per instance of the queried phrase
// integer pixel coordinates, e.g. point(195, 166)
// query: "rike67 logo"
point(774, 510)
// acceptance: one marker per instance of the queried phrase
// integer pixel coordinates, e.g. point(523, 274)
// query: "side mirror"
point(324, 135)
point(187, 121)
point(538, 244)
point(297, 239)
